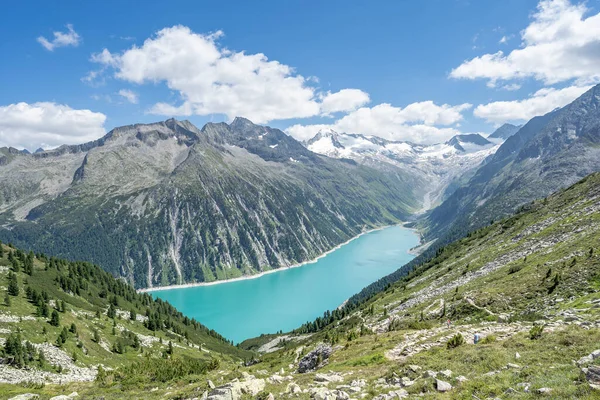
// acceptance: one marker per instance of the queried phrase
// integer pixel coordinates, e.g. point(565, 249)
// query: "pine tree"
point(55, 319)
point(96, 336)
point(1, 250)
point(7, 300)
point(13, 284)
point(73, 328)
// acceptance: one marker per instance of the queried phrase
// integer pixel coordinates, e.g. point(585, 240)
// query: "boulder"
point(211, 385)
point(25, 396)
point(235, 390)
point(447, 373)
point(544, 390)
point(315, 359)
point(461, 379)
point(293, 389)
point(585, 360)
point(593, 376)
point(442, 386)
point(65, 397)
point(275, 379)
point(326, 378)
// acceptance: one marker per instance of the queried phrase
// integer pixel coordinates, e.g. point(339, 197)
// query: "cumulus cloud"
point(211, 79)
point(47, 125)
point(61, 39)
point(345, 100)
point(560, 44)
point(541, 102)
point(129, 95)
point(416, 122)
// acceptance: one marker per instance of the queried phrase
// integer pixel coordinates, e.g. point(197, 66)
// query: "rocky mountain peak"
point(505, 131)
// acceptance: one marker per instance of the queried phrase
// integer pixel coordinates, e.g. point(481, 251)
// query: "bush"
point(536, 332)
point(455, 341)
point(488, 339)
point(514, 268)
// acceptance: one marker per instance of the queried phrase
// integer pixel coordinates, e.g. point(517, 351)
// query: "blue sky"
point(419, 71)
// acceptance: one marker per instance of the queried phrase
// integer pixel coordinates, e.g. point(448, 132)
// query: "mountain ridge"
point(169, 203)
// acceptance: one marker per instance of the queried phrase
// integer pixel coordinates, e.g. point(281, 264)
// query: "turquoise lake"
point(286, 299)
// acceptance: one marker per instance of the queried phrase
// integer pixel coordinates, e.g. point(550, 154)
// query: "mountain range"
point(169, 203)
point(437, 167)
point(546, 154)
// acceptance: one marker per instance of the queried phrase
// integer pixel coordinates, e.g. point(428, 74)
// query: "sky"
point(403, 70)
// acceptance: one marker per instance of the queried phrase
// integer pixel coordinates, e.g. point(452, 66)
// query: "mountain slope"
point(548, 153)
point(168, 203)
point(82, 322)
point(537, 268)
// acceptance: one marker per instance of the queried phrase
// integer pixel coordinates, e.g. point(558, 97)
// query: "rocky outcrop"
point(315, 359)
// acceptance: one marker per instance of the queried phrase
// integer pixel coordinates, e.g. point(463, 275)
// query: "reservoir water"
point(286, 299)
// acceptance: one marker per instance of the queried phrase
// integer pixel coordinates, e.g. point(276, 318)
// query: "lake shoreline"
point(255, 276)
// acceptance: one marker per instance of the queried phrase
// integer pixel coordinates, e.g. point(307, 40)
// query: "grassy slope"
point(82, 349)
point(551, 235)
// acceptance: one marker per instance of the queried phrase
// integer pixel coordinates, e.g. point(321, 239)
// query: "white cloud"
point(345, 100)
point(511, 87)
point(129, 95)
point(415, 122)
point(214, 80)
point(61, 39)
point(47, 125)
point(560, 44)
point(542, 102)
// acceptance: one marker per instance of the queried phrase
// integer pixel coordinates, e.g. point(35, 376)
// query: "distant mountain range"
point(168, 203)
point(437, 167)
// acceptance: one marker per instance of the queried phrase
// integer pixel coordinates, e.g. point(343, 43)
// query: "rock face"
point(315, 358)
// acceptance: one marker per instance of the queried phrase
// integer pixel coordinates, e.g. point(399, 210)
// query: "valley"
point(324, 283)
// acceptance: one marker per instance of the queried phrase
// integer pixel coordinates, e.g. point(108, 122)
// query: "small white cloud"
point(511, 87)
point(47, 125)
point(345, 100)
point(129, 95)
point(541, 102)
point(61, 39)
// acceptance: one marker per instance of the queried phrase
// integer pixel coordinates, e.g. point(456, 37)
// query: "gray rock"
point(25, 396)
point(211, 384)
point(593, 375)
point(65, 397)
point(315, 359)
point(442, 386)
point(447, 373)
point(293, 388)
point(544, 390)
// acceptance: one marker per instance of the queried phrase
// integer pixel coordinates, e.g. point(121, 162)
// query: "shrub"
point(536, 332)
point(455, 341)
point(488, 339)
point(515, 268)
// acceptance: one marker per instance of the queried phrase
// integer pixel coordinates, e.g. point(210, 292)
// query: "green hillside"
point(84, 325)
